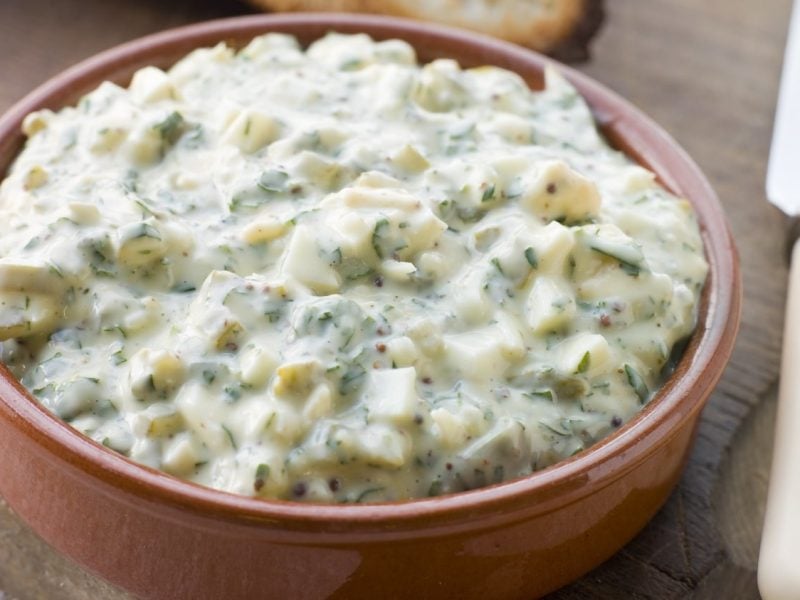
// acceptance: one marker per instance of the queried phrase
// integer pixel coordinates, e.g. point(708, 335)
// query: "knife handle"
point(779, 558)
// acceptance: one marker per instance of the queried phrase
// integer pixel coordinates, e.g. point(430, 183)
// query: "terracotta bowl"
point(160, 537)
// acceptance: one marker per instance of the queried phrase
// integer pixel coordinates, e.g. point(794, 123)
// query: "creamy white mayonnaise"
point(334, 275)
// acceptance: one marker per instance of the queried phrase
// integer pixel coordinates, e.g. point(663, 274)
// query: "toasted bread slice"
point(561, 27)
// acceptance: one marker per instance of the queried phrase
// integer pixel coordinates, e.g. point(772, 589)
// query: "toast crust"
point(563, 27)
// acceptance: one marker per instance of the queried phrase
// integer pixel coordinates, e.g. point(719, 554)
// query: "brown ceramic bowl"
point(160, 537)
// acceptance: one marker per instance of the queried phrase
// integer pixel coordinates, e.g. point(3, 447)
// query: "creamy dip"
point(334, 275)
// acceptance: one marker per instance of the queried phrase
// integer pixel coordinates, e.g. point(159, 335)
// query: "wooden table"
point(708, 72)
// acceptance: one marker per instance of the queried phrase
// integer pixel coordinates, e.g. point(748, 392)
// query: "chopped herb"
point(117, 328)
point(571, 266)
point(130, 183)
point(348, 338)
point(145, 230)
point(269, 422)
point(230, 436)
point(561, 427)
point(578, 449)
point(209, 376)
point(32, 243)
point(232, 393)
point(604, 387)
point(637, 383)
point(496, 262)
point(118, 358)
point(544, 394)
point(488, 193)
point(184, 287)
point(55, 270)
point(362, 496)
point(583, 365)
point(274, 315)
point(632, 270)
point(629, 257)
point(377, 234)
point(262, 474)
point(171, 128)
point(145, 208)
point(530, 256)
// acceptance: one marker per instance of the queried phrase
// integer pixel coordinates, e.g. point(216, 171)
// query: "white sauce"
point(336, 276)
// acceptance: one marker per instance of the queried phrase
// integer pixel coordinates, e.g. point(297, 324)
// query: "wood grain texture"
point(708, 72)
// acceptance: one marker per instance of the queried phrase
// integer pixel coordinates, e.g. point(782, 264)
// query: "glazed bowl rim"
point(678, 400)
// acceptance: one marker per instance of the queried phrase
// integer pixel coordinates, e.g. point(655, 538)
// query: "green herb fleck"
point(362, 496)
point(273, 314)
point(561, 427)
point(171, 128)
point(55, 270)
point(377, 234)
point(230, 437)
point(632, 270)
point(145, 230)
point(583, 365)
point(436, 488)
point(232, 393)
point(184, 287)
point(262, 474)
point(496, 262)
point(530, 256)
point(637, 383)
point(352, 379)
point(544, 394)
point(117, 328)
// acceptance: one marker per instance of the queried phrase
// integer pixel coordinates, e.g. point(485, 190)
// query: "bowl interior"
point(624, 126)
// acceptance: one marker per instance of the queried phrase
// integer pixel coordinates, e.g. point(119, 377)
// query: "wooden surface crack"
point(686, 551)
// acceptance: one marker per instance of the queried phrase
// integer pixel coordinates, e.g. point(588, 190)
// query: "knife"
point(779, 557)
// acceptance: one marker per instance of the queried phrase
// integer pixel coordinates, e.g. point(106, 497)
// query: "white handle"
point(779, 559)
